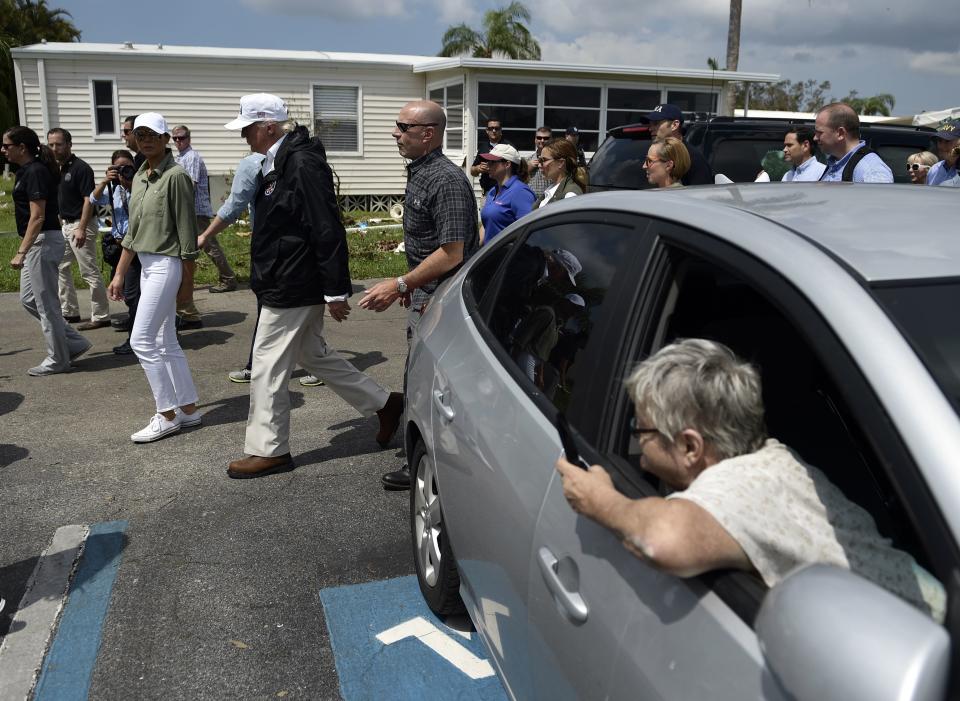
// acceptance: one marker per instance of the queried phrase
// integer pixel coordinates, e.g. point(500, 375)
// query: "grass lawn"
point(371, 253)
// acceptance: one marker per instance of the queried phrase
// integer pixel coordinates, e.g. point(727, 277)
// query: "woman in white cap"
point(510, 198)
point(163, 233)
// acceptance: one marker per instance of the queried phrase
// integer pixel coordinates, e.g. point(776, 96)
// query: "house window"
point(629, 105)
point(450, 97)
point(104, 108)
point(515, 105)
point(689, 101)
point(336, 117)
point(573, 106)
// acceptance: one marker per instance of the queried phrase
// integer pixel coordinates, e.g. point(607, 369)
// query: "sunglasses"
point(546, 160)
point(494, 128)
point(542, 138)
point(180, 138)
point(404, 127)
point(916, 166)
point(146, 135)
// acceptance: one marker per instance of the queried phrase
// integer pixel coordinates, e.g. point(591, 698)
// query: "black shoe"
point(185, 325)
point(72, 319)
point(397, 481)
point(124, 348)
point(122, 324)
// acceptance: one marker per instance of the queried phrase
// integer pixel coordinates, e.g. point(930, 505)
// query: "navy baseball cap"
point(665, 112)
point(573, 131)
point(949, 129)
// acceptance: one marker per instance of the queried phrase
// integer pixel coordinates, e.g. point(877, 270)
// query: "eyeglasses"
point(494, 128)
point(404, 127)
point(637, 431)
point(180, 138)
point(916, 166)
point(546, 160)
point(647, 161)
point(4, 147)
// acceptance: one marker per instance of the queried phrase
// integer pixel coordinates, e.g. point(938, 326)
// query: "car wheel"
point(436, 568)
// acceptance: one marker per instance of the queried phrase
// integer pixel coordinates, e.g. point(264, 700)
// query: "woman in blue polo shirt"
point(510, 198)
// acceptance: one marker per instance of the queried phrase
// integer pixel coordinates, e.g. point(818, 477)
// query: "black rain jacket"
point(298, 252)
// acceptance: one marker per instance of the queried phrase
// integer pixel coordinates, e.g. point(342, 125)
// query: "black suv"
point(735, 146)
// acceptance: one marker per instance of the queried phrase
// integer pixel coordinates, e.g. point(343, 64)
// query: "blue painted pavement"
point(407, 667)
point(68, 667)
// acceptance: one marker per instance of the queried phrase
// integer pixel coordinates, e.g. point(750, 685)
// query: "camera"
point(126, 172)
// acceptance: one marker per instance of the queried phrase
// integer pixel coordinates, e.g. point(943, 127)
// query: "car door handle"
point(445, 411)
point(571, 603)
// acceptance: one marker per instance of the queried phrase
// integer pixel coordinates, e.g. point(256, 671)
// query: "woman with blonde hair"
point(667, 162)
point(559, 163)
point(918, 165)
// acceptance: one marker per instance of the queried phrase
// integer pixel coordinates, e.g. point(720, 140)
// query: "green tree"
point(881, 104)
point(504, 34)
point(785, 95)
point(24, 22)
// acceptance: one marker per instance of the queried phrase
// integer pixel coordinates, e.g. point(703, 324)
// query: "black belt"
point(70, 221)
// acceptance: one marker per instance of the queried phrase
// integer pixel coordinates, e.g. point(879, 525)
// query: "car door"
point(493, 431)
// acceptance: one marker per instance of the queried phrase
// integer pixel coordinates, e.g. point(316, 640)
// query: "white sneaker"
point(311, 381)
point(189, 420)
point(239, 376)
point(158, 427)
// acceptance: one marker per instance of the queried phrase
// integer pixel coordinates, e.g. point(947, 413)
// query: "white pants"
point(154, 334)
point(38, 295)
point(86, 257)
point(283, 339)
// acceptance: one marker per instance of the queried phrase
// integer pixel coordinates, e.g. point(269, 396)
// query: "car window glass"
point(896, 158)
point(619, 162)
point(739, 155)
point(550, 298)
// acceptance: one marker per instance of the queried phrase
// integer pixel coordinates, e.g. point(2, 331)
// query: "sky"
point(908, 49)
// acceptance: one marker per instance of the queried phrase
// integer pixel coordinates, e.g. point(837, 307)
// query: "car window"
point(806, 406)
point(550, 298)
point(896, 157)
point(738, 155)
point(618, 163)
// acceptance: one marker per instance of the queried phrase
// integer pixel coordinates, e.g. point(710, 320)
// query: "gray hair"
point(703, 385)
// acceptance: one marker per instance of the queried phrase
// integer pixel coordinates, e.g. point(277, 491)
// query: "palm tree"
point(504, 34)
point(733, 52)
point(881, 104)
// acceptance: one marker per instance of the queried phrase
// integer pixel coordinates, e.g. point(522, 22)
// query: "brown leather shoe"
point(256, 466)
point(390, 416)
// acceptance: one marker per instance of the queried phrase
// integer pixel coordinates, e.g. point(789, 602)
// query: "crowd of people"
point(162, 218)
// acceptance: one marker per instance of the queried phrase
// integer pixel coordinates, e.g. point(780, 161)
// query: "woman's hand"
point(115, 289)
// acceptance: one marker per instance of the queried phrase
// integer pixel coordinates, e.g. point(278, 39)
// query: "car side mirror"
point(826, 633)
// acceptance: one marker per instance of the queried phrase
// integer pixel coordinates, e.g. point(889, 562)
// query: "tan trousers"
point(285, 338)
point(86, 258)
point(216, 254)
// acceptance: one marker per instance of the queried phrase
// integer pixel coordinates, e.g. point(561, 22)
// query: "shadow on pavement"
point(234, 409)
point(194, 340)
point(223, 318)
point(13, 352)
point(362, 361)
point(106, 360)
point(357, 440)
point(9, 453)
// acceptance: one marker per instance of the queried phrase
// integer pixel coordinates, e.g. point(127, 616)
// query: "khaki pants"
point(86, 258)
point(285, 338)
point(216, 254)
point(188, 310)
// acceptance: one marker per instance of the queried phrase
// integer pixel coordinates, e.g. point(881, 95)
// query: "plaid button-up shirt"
point(439, 208)
point(192, 162)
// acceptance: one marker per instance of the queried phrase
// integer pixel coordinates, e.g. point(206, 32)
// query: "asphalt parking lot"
point(216, 584)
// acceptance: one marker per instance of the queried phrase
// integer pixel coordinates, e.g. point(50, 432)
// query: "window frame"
point(105, 136)
point(740, 590)
point(445, 85)
point(313, 114)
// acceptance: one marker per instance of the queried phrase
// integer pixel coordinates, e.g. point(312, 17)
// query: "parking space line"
point(23, 647)
point(68, 667)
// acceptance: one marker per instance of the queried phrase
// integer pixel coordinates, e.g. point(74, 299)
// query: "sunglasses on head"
point(404, 127)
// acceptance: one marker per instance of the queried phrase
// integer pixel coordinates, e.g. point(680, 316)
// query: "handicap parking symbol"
point(388, 644)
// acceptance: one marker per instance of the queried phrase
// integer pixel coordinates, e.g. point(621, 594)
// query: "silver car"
point(845, 297)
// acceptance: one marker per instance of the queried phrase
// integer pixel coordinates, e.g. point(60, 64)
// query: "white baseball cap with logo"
point(259, 107)
point(153, 121)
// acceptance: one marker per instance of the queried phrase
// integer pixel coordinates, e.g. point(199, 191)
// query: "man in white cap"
point(298, 266)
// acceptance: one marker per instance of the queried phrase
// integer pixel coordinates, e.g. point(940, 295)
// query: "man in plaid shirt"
point(439, 224)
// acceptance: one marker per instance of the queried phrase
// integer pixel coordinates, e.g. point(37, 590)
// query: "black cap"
point(665, 112)
point(573, 130)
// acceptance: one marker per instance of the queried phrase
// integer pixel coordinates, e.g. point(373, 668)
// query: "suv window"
point(618, 163)
point(550, 296)
point(738, 154)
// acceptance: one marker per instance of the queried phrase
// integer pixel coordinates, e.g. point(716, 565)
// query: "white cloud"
point(457, 12)
point(942, 62)
point(352, 10)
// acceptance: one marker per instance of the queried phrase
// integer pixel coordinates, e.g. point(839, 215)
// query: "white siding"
point(206, 94)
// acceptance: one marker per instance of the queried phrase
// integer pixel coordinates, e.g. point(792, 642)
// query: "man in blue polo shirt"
point(837, 131)
point(948, 148)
